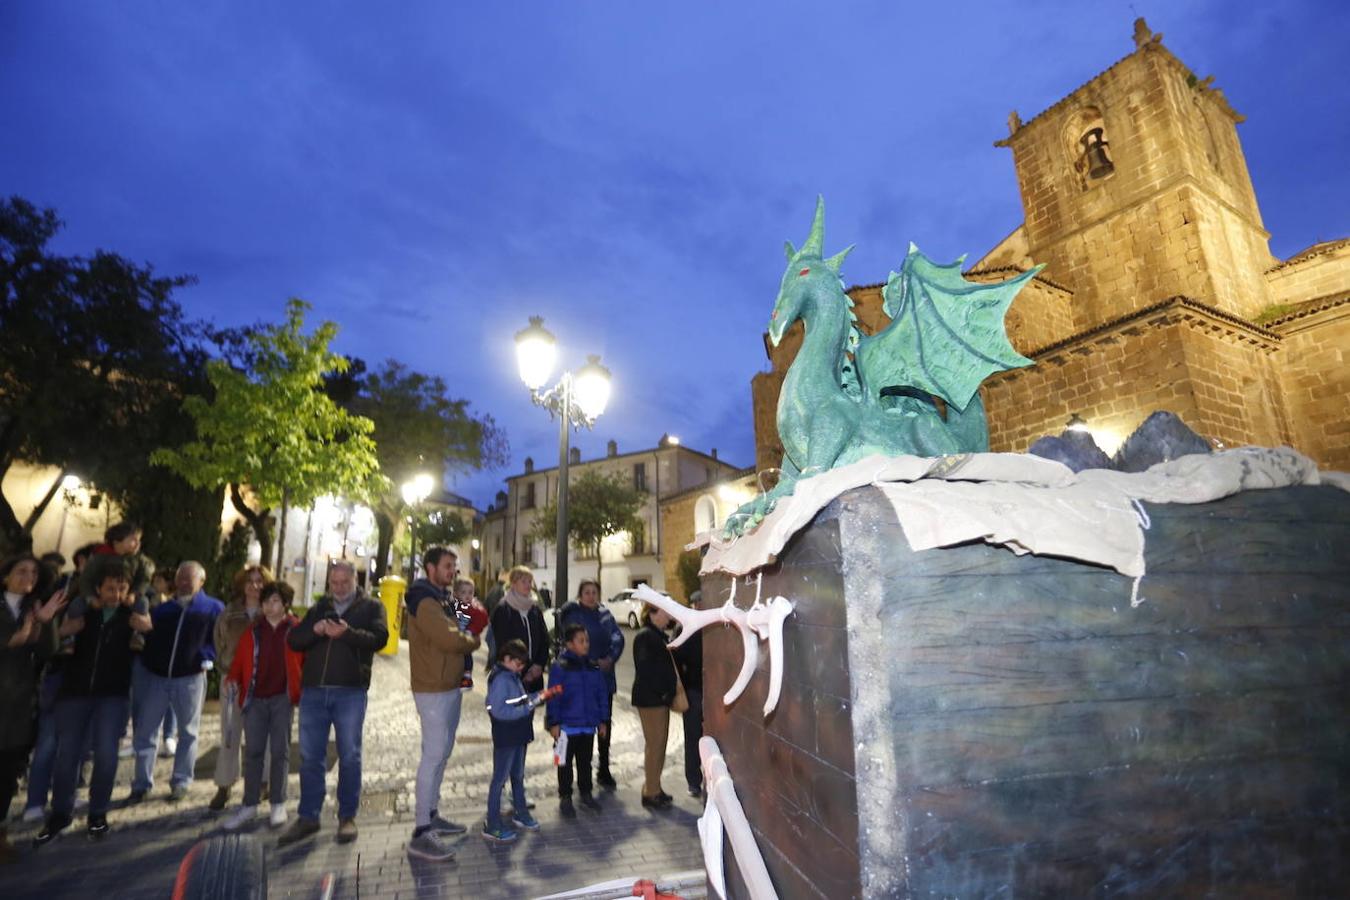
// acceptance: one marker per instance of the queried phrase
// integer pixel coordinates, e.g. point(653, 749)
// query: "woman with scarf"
point(242, 608)
point(518, 617)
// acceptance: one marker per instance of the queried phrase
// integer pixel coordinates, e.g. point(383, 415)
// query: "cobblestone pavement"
point(141, 855)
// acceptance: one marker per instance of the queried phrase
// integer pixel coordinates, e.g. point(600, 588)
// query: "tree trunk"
point(259, 520)
point(384, 525)
point(18, 536)
point(281, 535)
point(599, 563)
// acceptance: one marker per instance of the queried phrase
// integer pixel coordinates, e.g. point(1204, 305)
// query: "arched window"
point(705, 514)
point(1088, 147)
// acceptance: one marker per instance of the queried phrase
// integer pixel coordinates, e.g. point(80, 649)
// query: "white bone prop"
point(724, 811)
point(763, 621)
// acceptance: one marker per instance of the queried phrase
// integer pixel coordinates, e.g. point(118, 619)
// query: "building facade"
point(1160, 291)
point(626, 560)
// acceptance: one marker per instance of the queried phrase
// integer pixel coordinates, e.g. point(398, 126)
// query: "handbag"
point(680, 703)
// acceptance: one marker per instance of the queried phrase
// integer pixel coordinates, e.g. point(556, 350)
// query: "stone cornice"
point(1172, 311)
point(1313, 314)
point(1307, 255)
point(1152, 47)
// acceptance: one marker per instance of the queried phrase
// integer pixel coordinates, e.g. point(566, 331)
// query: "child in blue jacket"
point(512, 714)
point(580, 713)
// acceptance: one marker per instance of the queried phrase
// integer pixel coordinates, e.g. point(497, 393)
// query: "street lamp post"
point(414, 492)
point(576, 400)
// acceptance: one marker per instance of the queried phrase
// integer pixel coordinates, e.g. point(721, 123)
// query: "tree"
point(271, 429)
point(418, 428)
point(686, 569)
point(97, 355)
point(597, 506)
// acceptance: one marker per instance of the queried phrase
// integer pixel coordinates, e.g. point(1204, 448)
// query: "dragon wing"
point(946, 334)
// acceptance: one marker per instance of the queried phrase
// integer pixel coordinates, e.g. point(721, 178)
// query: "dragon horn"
point(789, 250)
point(834, 262)
point(815, 241)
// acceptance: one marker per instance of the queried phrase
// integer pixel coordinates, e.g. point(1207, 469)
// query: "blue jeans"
point(44, 749)
point(170, 721)
point(78, 719)
point(343, 710)
point(506, 761)
point(439, 715)
point(158, 695)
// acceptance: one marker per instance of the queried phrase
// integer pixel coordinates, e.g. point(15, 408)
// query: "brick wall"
point(1221, 378)
point(1316, 383)
point(1320, 274)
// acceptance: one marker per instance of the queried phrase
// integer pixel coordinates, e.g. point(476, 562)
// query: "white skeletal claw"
point(763, 621)
point(750, 659)
point(779, 609)
point(725, 806)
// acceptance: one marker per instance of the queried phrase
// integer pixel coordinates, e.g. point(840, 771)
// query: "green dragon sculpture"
point(848, 395)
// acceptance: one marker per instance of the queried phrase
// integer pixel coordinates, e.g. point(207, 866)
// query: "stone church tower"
point(1159, 290)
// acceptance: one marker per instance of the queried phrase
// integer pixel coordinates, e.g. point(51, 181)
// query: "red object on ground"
point(646, 889)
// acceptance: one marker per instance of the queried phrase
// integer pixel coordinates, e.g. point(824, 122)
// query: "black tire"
point(633, 621)
point(224, 867)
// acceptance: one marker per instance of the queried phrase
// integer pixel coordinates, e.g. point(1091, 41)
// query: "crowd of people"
point(116, 646)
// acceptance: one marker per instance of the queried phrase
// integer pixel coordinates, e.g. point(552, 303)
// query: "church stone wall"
point(1113, 384)
point(1321, 274)
point(1316, 380)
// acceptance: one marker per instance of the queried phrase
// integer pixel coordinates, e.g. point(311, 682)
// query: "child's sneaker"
point(526, 821)
point(500, 834)
point(466, 683)
point(97, 827)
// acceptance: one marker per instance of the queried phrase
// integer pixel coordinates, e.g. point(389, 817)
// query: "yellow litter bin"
point(392, 588)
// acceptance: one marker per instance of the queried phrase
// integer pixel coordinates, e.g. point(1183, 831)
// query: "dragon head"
point(807, 274)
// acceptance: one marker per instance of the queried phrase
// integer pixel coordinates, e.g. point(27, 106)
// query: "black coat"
point(344, 661)
point(531, 631)
point(689, 660)
point(19, 675)
point(654, 675)
point(100, 665)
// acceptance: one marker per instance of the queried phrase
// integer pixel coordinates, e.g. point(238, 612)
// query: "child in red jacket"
point(267, 673)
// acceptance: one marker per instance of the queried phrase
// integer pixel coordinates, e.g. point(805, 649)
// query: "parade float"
point(932, 670)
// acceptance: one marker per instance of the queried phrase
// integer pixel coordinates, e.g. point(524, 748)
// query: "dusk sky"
point(428, 175)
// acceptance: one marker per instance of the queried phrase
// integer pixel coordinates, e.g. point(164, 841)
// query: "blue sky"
point(428, 175)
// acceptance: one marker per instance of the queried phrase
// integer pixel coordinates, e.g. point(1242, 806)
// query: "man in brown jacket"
point(438, 642)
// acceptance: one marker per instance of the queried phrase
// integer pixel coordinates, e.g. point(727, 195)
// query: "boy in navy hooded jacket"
point(580, 713)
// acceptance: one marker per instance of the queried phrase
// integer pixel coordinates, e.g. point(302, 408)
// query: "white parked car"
point(624, 608)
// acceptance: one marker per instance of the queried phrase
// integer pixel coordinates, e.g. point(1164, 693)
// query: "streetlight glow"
point(592, 388)
point(70, 482)
point(536, 353)
point(1076, 423)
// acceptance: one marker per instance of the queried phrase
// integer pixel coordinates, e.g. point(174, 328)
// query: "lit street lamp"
point(576, 400)
point(414, 492)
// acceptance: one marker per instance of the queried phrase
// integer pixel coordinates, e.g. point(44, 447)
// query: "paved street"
point(140, 858)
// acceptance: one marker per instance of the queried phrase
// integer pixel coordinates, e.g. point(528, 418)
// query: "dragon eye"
point(803, 272)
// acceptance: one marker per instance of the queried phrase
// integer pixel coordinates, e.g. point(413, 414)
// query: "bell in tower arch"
point(1099, 165)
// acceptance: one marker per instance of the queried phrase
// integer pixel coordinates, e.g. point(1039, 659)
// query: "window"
point(527, 551)
point(639, 476)
point(637, 538)
point(705, 514)
point(528, 502)
point(497, 543)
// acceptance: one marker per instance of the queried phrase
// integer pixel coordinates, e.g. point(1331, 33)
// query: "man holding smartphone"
point(339, 637)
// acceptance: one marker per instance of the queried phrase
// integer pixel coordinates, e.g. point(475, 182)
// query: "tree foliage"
point(97, 355)
point(270, 426)
point(598, 506)
point(686, 569)
point(418, 428)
